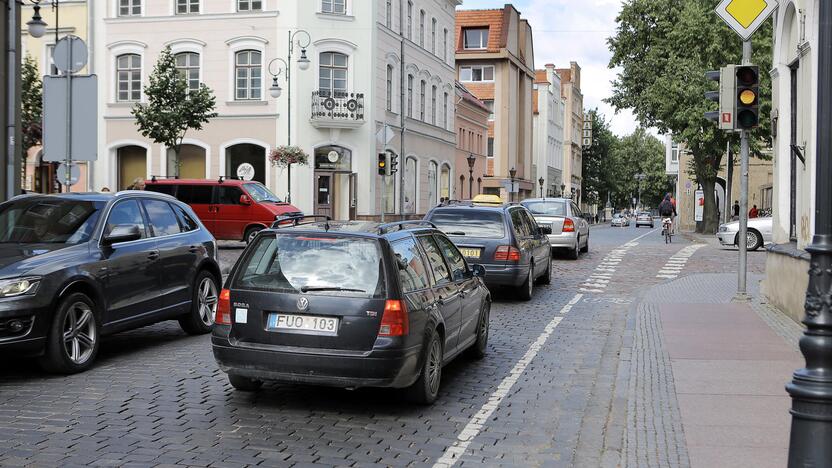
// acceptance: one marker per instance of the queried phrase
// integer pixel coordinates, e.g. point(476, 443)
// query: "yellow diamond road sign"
point(745, 16)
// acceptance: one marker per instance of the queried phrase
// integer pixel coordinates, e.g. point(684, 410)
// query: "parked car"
point(759, 233)
point(76, 267)
point(350, 304)
point(620, 220)
point(570, 229)
point(644, 219)
point(230, 209)
point(505, 239)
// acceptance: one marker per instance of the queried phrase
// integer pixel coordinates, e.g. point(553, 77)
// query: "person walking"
point(736, 212)
point(754, 213)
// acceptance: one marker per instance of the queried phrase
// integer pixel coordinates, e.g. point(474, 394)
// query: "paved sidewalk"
point(707, 378)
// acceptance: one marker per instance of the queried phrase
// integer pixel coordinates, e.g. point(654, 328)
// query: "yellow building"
point(72, 19)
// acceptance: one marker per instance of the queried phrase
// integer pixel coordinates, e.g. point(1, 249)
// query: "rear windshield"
point(470, 223)
point(546, 208)
point(313, 264)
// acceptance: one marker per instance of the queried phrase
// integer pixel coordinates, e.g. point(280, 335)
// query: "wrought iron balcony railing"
point(337, 108)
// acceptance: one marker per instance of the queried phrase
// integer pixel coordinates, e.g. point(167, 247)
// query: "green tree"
point(637, 153)
point(596, 160)
point(31, 112)
point(172, 109)
point(663, 48)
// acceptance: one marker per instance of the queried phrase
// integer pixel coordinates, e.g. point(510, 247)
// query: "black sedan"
point(350, 304)
point(75, 267)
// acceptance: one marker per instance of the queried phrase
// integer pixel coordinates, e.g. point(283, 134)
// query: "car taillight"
point(568, 225)
point(507, 253)
point(394, 322)
point(224, 308)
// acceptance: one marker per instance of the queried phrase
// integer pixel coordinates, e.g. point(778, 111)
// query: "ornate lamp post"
point(471, 161)
point(640, 178)
point(513, 174)
point(541, 181)
point(562, 190)
point(811, 387)
point(275, 90)
point(36, 26)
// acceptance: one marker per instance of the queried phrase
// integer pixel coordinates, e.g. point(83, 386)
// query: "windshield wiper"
point(455, 233)
point(329, 288)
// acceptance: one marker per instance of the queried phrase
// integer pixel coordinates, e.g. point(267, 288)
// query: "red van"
point(230, 209)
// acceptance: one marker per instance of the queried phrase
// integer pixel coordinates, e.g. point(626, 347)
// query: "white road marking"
point(677, 263)
point(472, 429)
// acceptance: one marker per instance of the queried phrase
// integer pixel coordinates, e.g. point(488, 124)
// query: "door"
point(131, 270)
point(177, 258)
point(470, 295)
point(446, 292)
point(231, 218)
point(200, 198)
point(540, 244)
point(324, 194)
point(353, 195)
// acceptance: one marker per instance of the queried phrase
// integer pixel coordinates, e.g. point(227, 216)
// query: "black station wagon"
point(350, 304)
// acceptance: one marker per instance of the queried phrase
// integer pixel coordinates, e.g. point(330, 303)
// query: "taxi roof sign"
point(484, 199)
point(745, 16)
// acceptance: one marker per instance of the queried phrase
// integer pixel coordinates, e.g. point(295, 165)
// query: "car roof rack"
point(293, 221)
point(401, 225)
point(154, 177)
point(225, 177)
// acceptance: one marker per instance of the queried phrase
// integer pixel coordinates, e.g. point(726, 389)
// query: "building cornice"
point(179, 18)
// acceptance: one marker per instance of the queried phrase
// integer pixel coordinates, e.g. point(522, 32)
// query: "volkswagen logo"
point(303, 303)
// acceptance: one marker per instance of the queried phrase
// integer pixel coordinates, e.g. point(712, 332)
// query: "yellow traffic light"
point(748, 97)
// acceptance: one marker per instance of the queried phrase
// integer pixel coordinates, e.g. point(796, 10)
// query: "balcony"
point(337, 109)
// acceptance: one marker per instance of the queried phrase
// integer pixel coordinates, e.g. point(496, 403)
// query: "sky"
point(574, 30)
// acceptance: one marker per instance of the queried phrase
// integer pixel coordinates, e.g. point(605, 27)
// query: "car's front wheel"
point(754, 240)
point(73, 340)
point(251, 233)
point(200, 319)
point(426, 388)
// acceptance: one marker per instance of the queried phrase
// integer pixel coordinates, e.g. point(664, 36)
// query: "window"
point(389, 88)
point(129, 77)
point(489, 103)
point(477, 73)
point(490, 147)
point(187, 7)
point(674, 152)
point(410, 96)
point(440, 270)
point(433, 168)
point(458, 268)
point(248, 75)
point(335, 7)
point(129, 7)
point(424, 91)
point(389, 14)
point(50, 53)
point(445, 111)
point(195, 194)
point(422, 28)
point(410, 20)
point(229, 195)
point(186, 222)
point(410, 186)
point(188, 65)
point(433, 36)
point(126, 213)
point(162, 219)
point(333, 73)
point(519, 223)
point(249, 5)
point(445, 44)
point(412, 271)
point(433, 105)
point(475, 38)
point(474, 223)
point(445, 182)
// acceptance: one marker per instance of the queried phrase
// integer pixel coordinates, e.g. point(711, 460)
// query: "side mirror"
point(478, 270)
point(245, 200)
point(123, 233)
point(545, 230)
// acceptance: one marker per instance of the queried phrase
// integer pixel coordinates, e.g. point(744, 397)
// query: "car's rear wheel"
point(526, 290)
point(480, 346)
point(426, 388)
point(251, 233)
point(200, 319)
point(244, 384)
point(73, 340)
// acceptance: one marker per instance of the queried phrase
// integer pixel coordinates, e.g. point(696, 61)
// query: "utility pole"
point(742, 237)
point(811, 387)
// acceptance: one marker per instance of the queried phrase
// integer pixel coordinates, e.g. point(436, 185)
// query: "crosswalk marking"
point(677, 263)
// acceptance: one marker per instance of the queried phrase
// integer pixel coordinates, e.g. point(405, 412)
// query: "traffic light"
point(394, 163)
point(382, 164)
point(724, 117)
point(747, 96)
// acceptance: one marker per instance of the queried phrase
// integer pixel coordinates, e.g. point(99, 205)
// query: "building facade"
point(387, 90)
point(573, 129)
point(549, 112)
point(472, 117)
point(495, 61)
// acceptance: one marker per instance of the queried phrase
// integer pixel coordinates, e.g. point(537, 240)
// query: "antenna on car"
point(386, 228)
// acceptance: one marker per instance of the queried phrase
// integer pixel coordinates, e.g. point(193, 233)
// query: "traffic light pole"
point(742, 237)
point(811, 387)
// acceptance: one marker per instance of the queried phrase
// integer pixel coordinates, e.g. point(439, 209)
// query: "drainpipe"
point(402, 84)
point(91, 68)
point(12, 187)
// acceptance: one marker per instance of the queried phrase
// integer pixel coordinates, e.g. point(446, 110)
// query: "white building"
point(369, 62)
point(547, 147)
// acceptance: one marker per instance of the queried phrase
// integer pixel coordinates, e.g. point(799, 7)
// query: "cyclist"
point(667, 210)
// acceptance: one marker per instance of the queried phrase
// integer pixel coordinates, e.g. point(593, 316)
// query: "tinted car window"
point(471, 223)
point(316, 264)
point(412, 271)
point(48, 221)
point(437, 263)
point(195, 194)
point(229, 196)
point(546, 208)
point(521, 227)
point(161, 217)
point(458, 267)
point(186, 222)
point(576, 211)
point(126, 213)
point(167, 189)
point(533, 227)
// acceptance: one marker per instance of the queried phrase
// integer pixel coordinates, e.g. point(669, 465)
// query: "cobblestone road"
point(156, 398)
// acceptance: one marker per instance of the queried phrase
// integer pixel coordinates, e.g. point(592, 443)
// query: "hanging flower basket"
point(283, 156)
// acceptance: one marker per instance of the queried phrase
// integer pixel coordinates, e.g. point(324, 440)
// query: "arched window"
point(248, 75)
point(333, 74)
point(433, 169)
point(188, 65)
point(129, 77)
point(409, 192)
point(389, 87)
point(445, 182)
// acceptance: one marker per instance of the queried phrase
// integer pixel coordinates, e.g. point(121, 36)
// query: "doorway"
point(246, 153)
point(325, 194)
point(132, 165)
point(191, 162)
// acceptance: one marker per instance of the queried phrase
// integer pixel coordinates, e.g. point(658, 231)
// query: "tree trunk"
point(710, 219)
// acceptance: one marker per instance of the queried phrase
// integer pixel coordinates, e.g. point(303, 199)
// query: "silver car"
point(759, 233)
point(570, 231)
point(620, 220)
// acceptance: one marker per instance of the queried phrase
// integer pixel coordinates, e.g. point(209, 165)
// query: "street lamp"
point(471, 161)
point(640, 177)
point(275, 90)
point(512, 173)
point(563, 190)
point(479, 184)
point(811, 387)
point(37, 26)
point(461, 186)
point(541, 181)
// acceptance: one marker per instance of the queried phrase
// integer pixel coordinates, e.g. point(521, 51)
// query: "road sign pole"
point(68, 163)
point(742, 237)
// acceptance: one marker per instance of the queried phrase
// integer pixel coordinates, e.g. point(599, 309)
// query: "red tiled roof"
point(495, 20)
point(540, 77)
point(535, 97)
point(469, 97)
point(483, 91)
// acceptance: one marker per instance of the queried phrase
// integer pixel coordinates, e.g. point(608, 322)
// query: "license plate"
point(306, 323)
point(470, 253)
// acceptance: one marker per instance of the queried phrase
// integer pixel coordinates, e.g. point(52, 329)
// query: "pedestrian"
point(754, 213)
point(736, 213)
point(138, 184)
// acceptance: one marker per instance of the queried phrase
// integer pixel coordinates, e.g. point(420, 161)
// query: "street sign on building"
point(586, 140)
point(745, 16)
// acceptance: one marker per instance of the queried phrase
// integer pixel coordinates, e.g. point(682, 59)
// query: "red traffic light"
point(747, 76)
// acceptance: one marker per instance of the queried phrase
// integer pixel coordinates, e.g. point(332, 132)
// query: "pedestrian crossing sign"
point(745, 16)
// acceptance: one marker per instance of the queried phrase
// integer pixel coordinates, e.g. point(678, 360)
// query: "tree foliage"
point(596, 159)
point(31, 112)
point(663, 49)
point(172, 109)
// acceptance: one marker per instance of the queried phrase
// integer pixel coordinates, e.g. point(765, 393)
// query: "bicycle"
point(667, 230)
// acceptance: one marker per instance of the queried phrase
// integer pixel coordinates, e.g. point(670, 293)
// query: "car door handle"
point(153, 255)
point(193, 249)
point(440, 301)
